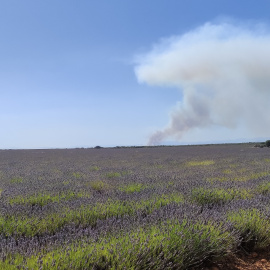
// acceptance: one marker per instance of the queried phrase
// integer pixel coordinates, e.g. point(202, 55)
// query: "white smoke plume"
point(223, 71)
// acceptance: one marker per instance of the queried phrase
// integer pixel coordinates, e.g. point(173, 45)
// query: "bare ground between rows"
point(257, 260)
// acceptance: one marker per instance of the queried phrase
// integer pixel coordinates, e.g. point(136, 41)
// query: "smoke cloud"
point(223, 71)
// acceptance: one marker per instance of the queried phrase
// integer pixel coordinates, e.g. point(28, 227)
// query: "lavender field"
point(132, 208)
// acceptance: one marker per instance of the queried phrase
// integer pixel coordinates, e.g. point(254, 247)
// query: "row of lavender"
point(128, 207)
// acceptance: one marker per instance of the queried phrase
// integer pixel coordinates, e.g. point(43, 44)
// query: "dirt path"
point(259, 260)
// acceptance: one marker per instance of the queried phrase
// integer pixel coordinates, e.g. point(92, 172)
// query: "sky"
point(125, 72)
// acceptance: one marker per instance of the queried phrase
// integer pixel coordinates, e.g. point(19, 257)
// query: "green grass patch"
point(201, 163)
point(259, 175)
point(263, 188)
point(98, 185)
point(253, 227)
point(159, 166)
point(124, 173)
point(113, 174)
point(84, 216)
point(94, 168)
point(42, 199)
point(218, 196)
point(159, 201)
point(233, 166)
point(217, 179)
point(227, 171)
point(133, 188)
point(117, 174)
point(239, 178)
point(16, 180)
point(170, 245)
point(169, 184)
point(77, 175)
point(242, 178)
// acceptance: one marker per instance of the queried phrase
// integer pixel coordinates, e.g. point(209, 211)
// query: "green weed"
point(94, 168)
point(239, 178)
point(228, 171)
point(170, 245)
point(124, 173)
point(77, 175)
point(218, 196)
point(201, 163)
point(253, 227)
point(83, 216)
point(98, 185)
point(113, 174)
point(43, 199)
point(219, 179)
point(132, 188)
point(259, 175)
point(16, 180)
point(263, 188)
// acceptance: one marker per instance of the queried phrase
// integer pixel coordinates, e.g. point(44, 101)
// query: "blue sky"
point(68, 70)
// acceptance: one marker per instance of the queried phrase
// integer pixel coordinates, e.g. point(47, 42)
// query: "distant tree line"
point(263, 144)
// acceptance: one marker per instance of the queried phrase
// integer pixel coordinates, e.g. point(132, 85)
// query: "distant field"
point(132, 208)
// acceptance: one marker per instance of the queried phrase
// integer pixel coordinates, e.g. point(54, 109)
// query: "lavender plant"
point(132, 208)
